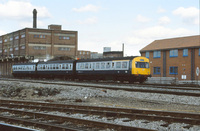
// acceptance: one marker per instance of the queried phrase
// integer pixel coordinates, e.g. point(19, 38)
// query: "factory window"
point(64, 48)
point(156, 70)
point(39, 36)
point(16, 37)
point(64, 37)
point(23, 35)
point(39, 47)
point(147, 54)
point(185, 52)
point(156, 54)
point(173, 53)
point(173, 70)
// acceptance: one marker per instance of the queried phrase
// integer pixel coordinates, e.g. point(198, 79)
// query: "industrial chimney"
point(34, 18)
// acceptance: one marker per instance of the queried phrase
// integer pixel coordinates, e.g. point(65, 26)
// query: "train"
point(131, 69)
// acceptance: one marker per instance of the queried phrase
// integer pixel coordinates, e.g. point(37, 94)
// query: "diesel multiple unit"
point(132, 69)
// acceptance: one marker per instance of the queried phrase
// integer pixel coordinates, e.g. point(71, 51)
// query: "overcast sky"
point(106, 23)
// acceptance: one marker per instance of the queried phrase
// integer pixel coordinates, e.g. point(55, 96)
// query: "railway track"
point(160, 89)
point(54, 122)
point(42, 111)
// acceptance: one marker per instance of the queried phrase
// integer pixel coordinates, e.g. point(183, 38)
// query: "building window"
point(39, 47)
point(156, 70)
point(23, 35)
point(5, 40)
point(147, 54)
point(39, 36)
point(173, 70)
point(156, 54)
point(64, 48)
point(173, 53)
point(0, 41)
point(11, 38)
point(80, 53)
point(64, 37)
point(185, 52)
point(16, 37)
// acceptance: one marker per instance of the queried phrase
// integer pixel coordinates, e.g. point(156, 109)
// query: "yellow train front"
point(140, 69)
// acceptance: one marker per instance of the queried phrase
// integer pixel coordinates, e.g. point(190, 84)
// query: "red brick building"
point(40, 43)
point(175, 57)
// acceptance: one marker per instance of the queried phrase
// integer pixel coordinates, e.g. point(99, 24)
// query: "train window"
point(102, 65)
point(97, 65)
point(86, 65)
point(124, 64)
point(118, 64)
point(60, 66)
point(113, 64)
point(108, 65)
point(44, 67)
point(70, 66)
point(56, 66)
point(90, 65)
point(63, 66)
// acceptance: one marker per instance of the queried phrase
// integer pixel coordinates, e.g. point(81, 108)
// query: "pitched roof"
point(173, 43)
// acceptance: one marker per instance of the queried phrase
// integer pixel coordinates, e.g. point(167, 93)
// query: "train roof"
point(107, 59)
point(58, 61)
point(25, 63)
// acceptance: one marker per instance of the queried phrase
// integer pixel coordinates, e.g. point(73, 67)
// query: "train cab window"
point(118, 64)
point(142, 65)
point(124, 64)
point(102, 65)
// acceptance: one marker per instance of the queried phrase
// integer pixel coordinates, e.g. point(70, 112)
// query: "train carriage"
point(24, 69)
point(56, 69)
point(121, 69)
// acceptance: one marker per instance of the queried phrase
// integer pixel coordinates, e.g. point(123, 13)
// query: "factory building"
point(175, 57)
point(39, 43)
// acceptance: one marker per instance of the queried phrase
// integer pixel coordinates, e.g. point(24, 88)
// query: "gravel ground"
point(104, 97)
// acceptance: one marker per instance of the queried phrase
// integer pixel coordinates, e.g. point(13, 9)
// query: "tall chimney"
point(34, 18)
point(123, 49)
